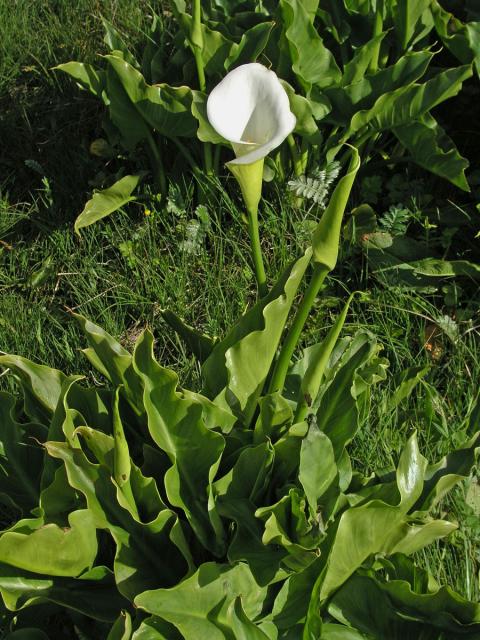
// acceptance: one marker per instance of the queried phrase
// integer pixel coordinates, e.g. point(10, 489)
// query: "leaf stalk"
point(281, 367)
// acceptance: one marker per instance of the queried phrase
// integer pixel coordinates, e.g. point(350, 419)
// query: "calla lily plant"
point(250, 108)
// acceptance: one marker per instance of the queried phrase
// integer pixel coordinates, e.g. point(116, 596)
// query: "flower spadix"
point(250, 109)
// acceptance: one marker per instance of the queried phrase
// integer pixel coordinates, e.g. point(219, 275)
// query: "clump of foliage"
point(173, 514)
point(138, 509)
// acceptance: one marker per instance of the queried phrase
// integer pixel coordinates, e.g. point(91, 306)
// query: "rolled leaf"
point(326, 237)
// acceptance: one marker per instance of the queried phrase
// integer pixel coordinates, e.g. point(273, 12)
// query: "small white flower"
point(250, 109)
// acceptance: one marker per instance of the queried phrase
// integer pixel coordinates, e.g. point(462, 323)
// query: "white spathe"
point(250, 109)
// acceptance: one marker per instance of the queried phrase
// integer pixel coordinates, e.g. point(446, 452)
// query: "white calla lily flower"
point(250, 109)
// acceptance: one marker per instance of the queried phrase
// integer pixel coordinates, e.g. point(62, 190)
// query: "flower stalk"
point(256, 252)
point(249, 177)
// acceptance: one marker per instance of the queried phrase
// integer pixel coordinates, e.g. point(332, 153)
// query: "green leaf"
point(362, 7)
point(147, 553)
point(164, 108)
point(463, 40)
point(115, 42)
point(312, 62)
point(241, 626)
point(105, 202)
point(348, 99)
point(20, 457)
point(155, 628)
point(326, 237)
point(303, 111)
point(292, 525)
point(214, 46)
point(376, 527)
point(405, 383)
point(121, 454)
point(400, 107)
point(236, 496)
point(205, 131)
point(213, 588)
point(356, 68)
point(363, 94)
point(274, 419)
point(122, 466)
point(317, 469)
point(315, 371)
point(62, 426)
point(199, 343)
point(449, 471)
point(93, 594)
point(432, 149)
point(411, 473)
point(377, 240)
point(407, 13)
point(122, 113)
point(113, 361)
point(177, 426)
point(292, 601)
point(237, 368)
point(251, 45)
point(58, 499)
point(398, 609)
point(122, 628)
point(143, 496)
point(446, 268)
point(42, 386)
point(51, 549)
point(413, 537)
point(27, 634)
point(87, 76)
point(332, 631)
point(337, 412)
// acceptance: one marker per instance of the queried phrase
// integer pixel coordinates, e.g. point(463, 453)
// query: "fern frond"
point(317, 186)
point(396, 219)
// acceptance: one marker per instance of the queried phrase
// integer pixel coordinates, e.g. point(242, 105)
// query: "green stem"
point(404, 20)
point(200, 69)
point(296, 158)
point(316, 370)
point(337, 18)
point(207, 158)
point(188, 156)
point(281, 367)
point(280, 168)
point(257, 253)
point(216, 159)
point(358, 143)
point(388, 161)
point(160, 178)
point(304, 152)
point(196, 38)
point(377, 30)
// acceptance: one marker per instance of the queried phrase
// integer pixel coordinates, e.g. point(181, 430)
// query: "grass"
point(47, 125)
point(122, 272)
